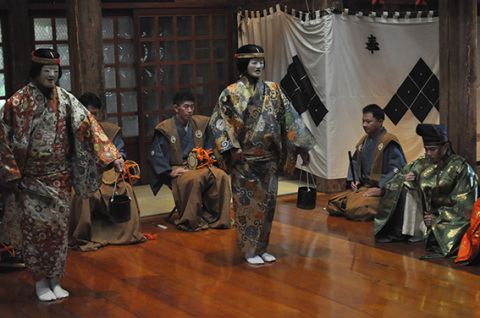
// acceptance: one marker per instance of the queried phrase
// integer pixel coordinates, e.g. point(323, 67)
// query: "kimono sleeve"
point(223, 122)
point(9, 170)
point(393, 161)
point(120, 145)
point(454, 215)
point(158, 162)
point(297, 138)
point(92, 153)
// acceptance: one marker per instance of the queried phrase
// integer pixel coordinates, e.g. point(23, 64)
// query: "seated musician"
point(430, 199)
point(91, 224)
point(377, 158)
point(202, 195)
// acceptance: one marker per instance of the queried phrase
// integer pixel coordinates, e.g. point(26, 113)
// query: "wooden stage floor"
point(326, 267)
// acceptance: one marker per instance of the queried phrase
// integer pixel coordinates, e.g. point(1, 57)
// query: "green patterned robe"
point(449, 195)
point(262, 122)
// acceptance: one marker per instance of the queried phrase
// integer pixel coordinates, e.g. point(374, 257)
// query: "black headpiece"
point(432, 135)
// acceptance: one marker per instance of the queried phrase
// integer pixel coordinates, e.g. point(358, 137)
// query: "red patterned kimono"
point(46, 147)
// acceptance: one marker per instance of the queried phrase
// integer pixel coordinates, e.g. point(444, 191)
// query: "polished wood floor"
point(326, 267)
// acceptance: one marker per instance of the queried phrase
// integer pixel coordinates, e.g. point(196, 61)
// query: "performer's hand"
point(237, 154)
point(374, 192)
point(177, 172)
point(427, 218)
point(305, 158)
point(410, 176)
point(119, 164)
point(354, 185)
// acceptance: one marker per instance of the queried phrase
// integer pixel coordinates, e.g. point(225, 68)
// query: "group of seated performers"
point(428, 200)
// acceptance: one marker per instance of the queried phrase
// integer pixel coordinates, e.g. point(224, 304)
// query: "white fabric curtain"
point(347, 73)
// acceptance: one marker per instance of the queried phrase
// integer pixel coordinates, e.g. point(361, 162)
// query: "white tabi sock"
point(43, 291)
point(57, 289)
point(268, 257)
point(253, 259)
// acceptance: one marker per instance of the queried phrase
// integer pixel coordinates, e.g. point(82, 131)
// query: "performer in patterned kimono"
point(90, 225)
point(257, 129)
point(377, 159)
point(434, 195)
point(202, 195)
point(49, 142)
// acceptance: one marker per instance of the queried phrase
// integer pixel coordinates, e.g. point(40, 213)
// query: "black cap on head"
point(432, 135)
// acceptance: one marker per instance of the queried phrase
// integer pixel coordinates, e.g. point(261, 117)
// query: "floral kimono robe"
point(46, 147)
point(262, 122)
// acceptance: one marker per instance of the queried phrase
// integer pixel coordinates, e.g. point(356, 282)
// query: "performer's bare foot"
point(268, 257)
point(43, 291)
point(58, 291)
point(254, 259)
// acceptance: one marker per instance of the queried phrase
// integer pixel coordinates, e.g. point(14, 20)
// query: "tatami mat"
point(163, 201)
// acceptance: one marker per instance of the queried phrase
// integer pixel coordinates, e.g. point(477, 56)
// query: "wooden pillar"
point(86, 47)
point(458, 46)
point(18, 27)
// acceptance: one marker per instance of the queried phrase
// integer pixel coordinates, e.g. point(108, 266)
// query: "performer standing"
point(49, 142)
point(256, 127)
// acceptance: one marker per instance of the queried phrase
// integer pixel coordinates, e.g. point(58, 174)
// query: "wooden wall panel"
point(458, 21)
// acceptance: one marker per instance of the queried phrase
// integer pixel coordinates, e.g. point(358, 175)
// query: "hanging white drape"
point(345, 74)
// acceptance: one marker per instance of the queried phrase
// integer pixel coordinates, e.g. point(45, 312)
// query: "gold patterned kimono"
point(262, 122)
point(47, 145)
point(448, 190)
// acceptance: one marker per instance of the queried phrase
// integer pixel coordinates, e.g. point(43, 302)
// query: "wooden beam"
point(86, 46)
point(18, 51)
point(458, 40)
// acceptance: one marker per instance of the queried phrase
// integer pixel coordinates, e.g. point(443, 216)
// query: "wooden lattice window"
point(182, 52)
point(120, 77)
point(52, 33)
